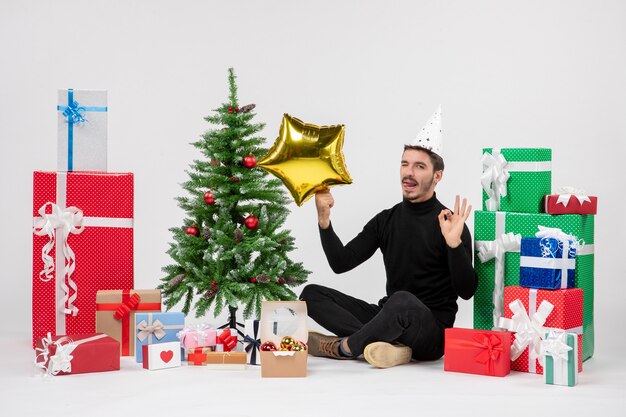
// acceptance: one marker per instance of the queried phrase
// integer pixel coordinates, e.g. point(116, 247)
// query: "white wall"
point(508, 74)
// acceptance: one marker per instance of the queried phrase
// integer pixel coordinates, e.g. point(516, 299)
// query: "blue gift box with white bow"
point(547, 263)
point(152, 328)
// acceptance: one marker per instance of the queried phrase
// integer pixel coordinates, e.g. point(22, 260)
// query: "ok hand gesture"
point(452, 223)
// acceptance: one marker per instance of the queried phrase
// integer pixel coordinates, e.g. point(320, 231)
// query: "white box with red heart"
point(161, 355)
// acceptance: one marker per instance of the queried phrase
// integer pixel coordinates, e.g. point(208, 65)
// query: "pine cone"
point(206, 233)
point(176, 280)
point(211, 292)
point(238, 235)
point(247, 108)
point(289, 279)
point(262, 278)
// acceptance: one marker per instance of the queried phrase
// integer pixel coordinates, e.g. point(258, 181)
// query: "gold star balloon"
point(307, 158)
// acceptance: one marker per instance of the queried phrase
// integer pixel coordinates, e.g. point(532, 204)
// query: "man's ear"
point(438, 175)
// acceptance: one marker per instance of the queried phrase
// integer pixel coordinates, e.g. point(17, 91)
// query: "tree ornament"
point(262, 278)
point(230, 110)
point(249, 161)
point(176, 280)
point(289, 279)
point(253, 280)
point(238, 235)
point(192, 230)
point(234, 179)
point(237, 109)
point(247, 108)
point(208, 198)
point(215, 162)
point(206, 233)
point(298, 347)
point(287, 343)
point(307, 158)
point(280, 281)
point(268, 347)
point(251, 222)
point(213, 283)
point(211, 292)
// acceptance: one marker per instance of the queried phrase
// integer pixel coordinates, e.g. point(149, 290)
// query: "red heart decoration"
point(167, 355)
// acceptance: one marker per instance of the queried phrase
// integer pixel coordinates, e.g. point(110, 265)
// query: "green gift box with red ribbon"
point(115, 314)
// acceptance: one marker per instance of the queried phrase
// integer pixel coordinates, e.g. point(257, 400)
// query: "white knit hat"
point(431, 135)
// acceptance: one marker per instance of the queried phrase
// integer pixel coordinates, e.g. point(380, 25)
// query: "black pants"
point(403, 318)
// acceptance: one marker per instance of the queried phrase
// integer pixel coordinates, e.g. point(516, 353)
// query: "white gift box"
point(82, 130)
point(161, 355)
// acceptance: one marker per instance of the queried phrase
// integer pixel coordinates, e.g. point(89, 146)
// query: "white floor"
point(351, 388)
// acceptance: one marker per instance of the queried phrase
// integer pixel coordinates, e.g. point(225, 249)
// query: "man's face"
point(417, 176)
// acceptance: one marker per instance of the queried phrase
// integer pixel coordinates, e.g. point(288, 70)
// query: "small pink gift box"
point(200, 335)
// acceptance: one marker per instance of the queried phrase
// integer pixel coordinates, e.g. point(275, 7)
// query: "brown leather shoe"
point(324, 346)
point(386, 355)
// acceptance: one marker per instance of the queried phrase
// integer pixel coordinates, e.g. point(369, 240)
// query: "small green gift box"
point(495, 242)
point(516, 179)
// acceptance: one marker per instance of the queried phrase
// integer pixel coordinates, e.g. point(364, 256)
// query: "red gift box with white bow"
point(531, 313)
point(77, 354)
point(570, 200)
point(82, 243)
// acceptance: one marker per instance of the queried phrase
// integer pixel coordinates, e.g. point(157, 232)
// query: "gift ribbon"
point(67, 220)
point(560, 360)
point(200, 332)
point(61, 360)
point(197, 356)
point(489, 345)
point(494, 178)
point(74, 114)
point(253, 343)
point(490, 249)
point(226, 339)
point(566, 193)
point(568, 244)
point(124, 314)
point(528, 327)
point(496, 174)
point(156, 328)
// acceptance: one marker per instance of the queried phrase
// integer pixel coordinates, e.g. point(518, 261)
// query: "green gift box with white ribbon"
point(516, 179)
point(497, 236)
point(560, 350)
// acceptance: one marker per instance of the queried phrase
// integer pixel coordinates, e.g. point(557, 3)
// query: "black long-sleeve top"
point(416, 256)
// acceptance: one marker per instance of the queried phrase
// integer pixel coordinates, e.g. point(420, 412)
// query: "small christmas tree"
point(231, 250)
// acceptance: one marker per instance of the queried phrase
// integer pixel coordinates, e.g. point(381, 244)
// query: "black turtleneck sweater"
point(416, 256)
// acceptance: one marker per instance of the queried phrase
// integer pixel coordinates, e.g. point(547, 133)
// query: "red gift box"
point(77, 354)
point(567, 315)
point(82, 243)
point(481, 352)
point(570, 204)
